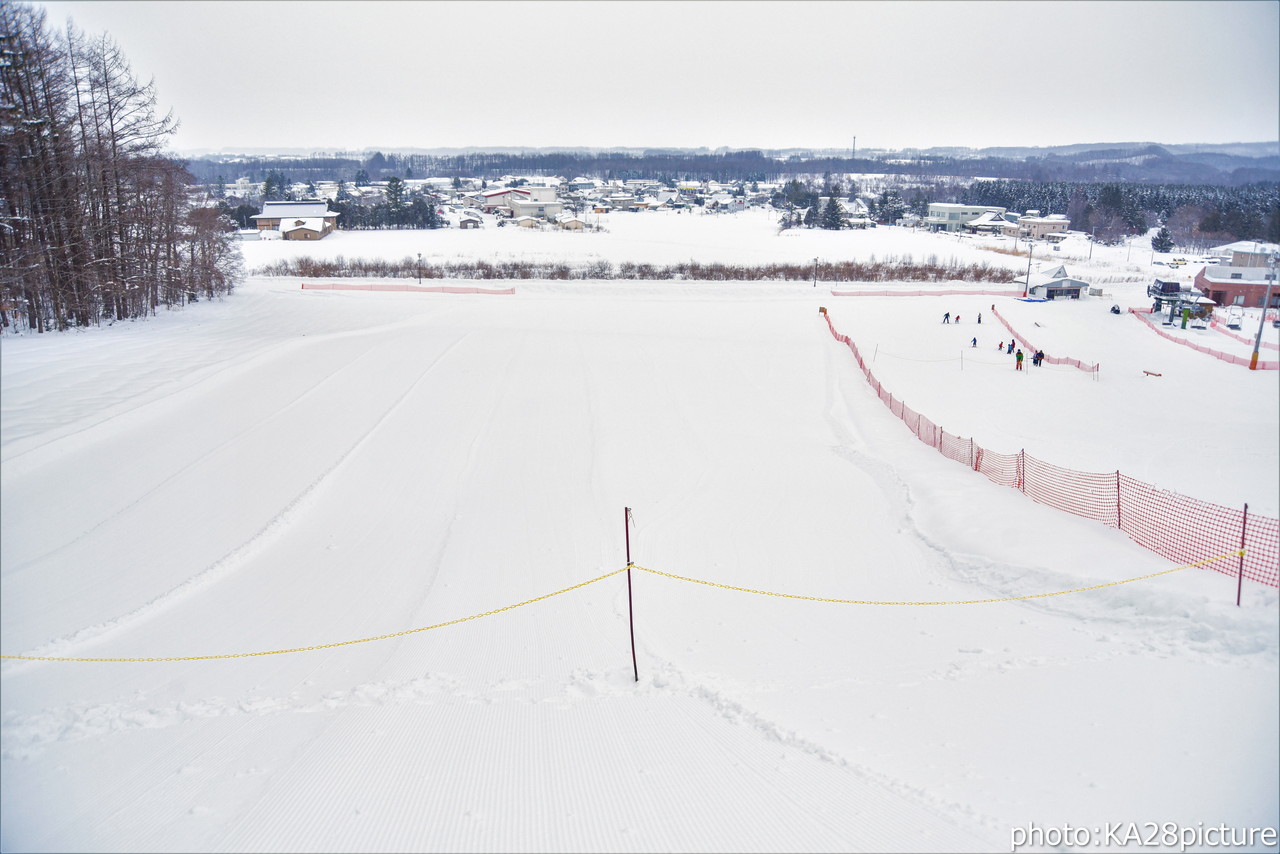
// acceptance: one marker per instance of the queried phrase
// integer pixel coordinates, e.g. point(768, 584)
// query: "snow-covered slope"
point(292, 468)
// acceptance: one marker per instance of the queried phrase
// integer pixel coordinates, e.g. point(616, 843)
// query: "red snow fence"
point(438, 289)
point(1215, 322)
point(1052, 360)
point(1174, 526)
point(1141, 314)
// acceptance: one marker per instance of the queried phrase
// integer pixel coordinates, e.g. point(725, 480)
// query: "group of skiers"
point(1037, 358)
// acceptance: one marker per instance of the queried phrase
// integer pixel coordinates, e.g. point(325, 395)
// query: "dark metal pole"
point(1240, 571)
point(631, 618)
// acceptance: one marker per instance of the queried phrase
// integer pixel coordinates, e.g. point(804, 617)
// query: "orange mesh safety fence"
point(1216, 323)
point(1052, 360)
point(956, 448)
point(1174, 526)
point(1087, 494)
point(1141, 314)
point(1000, 469)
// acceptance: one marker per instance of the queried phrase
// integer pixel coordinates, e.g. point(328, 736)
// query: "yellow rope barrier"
point(326, 645)
point(1238, 553)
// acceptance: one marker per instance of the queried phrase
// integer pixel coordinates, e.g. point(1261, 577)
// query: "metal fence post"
point(1240, 570)
point(1118, 525)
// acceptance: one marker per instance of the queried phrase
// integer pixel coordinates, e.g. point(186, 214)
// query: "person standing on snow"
point(1018, 365)
point(979, 318)
point(1011, 343)
point(975, 343)
point(946, 318)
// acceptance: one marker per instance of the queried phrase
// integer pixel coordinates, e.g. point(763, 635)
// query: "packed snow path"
point(292, 468)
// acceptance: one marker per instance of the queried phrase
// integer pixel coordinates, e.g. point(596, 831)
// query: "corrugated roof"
point(283, 210)
point(294, 223)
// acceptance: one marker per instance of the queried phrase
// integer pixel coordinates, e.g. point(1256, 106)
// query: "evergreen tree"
point(276, 187)
point(890, 207)
point(1163, 240)
point(395, 200)
point(832, 216)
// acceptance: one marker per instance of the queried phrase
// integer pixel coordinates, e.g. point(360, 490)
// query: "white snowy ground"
point(290, 468)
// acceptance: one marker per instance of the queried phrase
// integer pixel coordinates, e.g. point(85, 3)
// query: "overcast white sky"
point(327, 75)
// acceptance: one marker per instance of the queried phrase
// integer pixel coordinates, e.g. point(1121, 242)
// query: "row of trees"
point(399, 208)
point(95, 223)
point(1195, 214)
point(1147, 165)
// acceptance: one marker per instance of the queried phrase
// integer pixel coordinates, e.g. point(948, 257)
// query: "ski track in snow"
point(27, 736)
point(279, 524)
point(213, 450)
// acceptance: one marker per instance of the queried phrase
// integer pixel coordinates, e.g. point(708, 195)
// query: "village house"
point(1052, 281)
point(1032, 226)
point(943, 216)
point(494, 201)
point(989, 223)
point(243, 188)
point(1242, 276)
point(518, 201)
point(535, 201)
point(308, 220)
point(620, 201)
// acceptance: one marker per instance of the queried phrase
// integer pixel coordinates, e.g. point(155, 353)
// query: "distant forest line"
point(1151, 164)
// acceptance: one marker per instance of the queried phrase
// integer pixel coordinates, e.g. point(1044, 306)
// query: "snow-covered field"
point(292, 468)
point(671, 237)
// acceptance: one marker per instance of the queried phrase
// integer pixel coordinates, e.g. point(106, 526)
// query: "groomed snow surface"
point(290, 468)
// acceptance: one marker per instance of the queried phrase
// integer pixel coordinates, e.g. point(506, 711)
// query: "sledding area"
point(419, 471)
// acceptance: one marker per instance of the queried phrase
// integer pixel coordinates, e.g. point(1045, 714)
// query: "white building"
point(1052, 281)
point(944, 216)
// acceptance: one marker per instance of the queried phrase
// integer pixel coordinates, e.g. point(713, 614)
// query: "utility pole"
point(1031, 247)
point(1266, 301)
